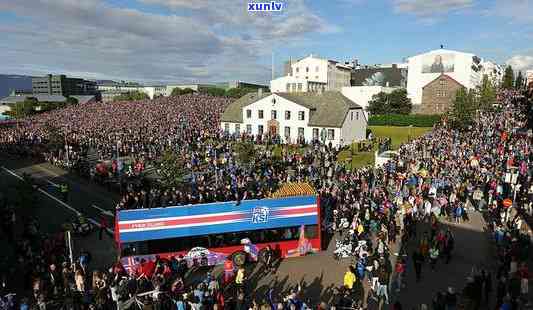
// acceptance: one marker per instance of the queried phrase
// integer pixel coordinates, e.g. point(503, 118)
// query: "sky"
point(192, 41)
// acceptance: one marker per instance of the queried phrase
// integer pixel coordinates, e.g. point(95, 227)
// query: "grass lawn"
point(399, 135)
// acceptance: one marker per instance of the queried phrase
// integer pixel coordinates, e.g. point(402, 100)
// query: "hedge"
point(416, 120)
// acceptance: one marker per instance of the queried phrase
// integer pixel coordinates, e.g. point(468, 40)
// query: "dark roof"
point(82, 99)
point(328, 109)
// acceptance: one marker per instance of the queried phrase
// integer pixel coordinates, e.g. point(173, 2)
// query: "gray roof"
point(328, 109)
point(233, 112)
point(41, 98)
point(84, 99)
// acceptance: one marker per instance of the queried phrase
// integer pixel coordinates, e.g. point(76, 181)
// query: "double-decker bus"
point(208, 234)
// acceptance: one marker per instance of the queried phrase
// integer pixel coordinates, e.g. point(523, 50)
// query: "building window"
point(443, 93)
point(249, 129)
point(248, 113)
point(260, 114)
point(274, 114)
point(316, 69)
point(301, 132)
point(287, 131)
point(442, 82)
point(293, 86)
point(301, 115)
point(299, 86)
point(238, 129)
point(287, 115)
point(331, 134)
point(260, 130)
point(306, 69)
point(288, 87)
point(297, 69)
point(351, 116)
point(357, 115)
point(315, 133)
point(226, 127)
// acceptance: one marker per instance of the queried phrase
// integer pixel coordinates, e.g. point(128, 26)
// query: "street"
point(319, 274)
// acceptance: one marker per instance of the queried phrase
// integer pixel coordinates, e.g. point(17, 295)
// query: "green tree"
point(214, 91)
point(463, 109)
point(486, 94)
point(131, 96)
point(399, 103)
point(178, 91)
point(519, 83)
point(394, 103)
point(24, 108)
point(172, 169)
point(379, 104)
point(55, 139)
point(245, 152)
point(72, 100)
point(508, 78)
point(239, 92)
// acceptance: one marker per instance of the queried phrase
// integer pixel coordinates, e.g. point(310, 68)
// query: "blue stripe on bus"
point(210, 208)
point(216, 229)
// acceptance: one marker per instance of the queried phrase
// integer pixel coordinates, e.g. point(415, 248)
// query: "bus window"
point(311, 231)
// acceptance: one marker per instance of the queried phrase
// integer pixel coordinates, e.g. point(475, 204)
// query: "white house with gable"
point(328, 117)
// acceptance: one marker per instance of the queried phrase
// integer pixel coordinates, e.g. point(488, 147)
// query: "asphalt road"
point(52, 213)
point(318, 274)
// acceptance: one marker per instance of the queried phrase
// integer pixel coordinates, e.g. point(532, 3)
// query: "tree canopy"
point(519, 82)
point(394, 103)
point(463, 108)
point(214, 91)
point(239, 92)
point(178, 91)
point(172, 169)
point(486, 94)
point(508, 78)
point(131, 96)
point(24, 108)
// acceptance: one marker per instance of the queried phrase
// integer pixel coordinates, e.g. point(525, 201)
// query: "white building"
point(111, 86)
point(155, 91)
point(465, 68)
point(327, 117)
point(363, 94)
point(493, 71)
point(313, 74)
point(529, 77)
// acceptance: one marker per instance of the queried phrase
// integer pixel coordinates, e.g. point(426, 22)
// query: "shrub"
point(416, 120)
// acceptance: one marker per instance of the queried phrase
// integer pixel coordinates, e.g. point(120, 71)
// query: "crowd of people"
point(438, 177)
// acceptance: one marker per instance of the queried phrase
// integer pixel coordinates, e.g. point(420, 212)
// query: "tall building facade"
point(312, 74)
point(465, 68)
point(61, 85)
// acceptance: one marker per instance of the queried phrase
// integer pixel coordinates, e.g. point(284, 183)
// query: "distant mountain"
point(12, 81)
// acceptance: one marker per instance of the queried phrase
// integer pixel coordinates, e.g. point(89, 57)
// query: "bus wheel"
point(239, 258)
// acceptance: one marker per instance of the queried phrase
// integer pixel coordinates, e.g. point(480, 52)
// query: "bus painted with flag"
point(208, 234)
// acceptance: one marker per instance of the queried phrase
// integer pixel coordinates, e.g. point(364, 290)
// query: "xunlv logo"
point(265, 6)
